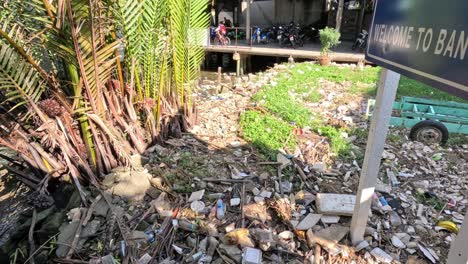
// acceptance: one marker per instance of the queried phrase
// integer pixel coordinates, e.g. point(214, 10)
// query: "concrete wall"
point(304, 12)
point(262, 13)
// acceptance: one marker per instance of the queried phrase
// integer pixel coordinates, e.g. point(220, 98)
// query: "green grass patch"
point(267, 132)
point(429, 200)
point(413, 88)
point(287, 96)
point(339, 144)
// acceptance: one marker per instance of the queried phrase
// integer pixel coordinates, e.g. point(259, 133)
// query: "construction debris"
point(209, 197)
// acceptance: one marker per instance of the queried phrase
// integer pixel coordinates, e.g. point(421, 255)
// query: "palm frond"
point(20, 81)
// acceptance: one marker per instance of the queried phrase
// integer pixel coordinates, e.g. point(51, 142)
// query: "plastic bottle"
point(383, 201)
point(187, 225)
point(220, 209)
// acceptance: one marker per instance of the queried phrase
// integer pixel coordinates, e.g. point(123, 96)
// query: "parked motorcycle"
point(232, 34)
point(290, 36)
point(256, 35)
point(361, 41)
point(261, 36)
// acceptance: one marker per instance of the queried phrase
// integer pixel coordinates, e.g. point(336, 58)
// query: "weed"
point(409, 87)
point(394, 138)
point(457, 140)
point(185, 161)
point(285, 98)
point(361, 134)
point(430, 200)
point(267, 132)
point(338, 143)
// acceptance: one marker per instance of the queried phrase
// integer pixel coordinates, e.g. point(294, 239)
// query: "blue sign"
point(424, 39)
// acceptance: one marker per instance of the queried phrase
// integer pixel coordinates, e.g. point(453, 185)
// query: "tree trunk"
point(339, 15)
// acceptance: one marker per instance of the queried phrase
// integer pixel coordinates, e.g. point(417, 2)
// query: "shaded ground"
point(13, 201)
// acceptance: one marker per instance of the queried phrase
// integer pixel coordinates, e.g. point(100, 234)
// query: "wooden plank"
point(277, 52)
point(459, 249)
point(388, 85)
point(335, 204)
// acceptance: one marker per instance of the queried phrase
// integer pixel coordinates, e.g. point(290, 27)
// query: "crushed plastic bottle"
point(220, 209)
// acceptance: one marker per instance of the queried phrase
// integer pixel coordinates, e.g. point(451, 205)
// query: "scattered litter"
point(196, 196)
point(448, 225)
point(362, 245)
point(251, 256)
point(381, 255)
point(397, 242)
point(330, 219)
point(335, 204)
point(309, 221)
point(427, 253)
point(220, 209)
point(235, 201)
point(197, 206)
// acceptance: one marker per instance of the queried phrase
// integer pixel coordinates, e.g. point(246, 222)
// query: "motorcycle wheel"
point(216, 41)
point(301, 43)
point(293, 44)
point(227, 41)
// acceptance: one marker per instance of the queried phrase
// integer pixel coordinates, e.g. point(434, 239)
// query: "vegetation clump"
point(86, 84)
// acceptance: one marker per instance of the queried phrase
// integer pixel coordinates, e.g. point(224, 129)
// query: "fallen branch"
point(317, 254)
point(77, 235)
point(32, 246)
point(278, 171)
point(268, 163)
point(91, 209)
point(226, 180)
point(331, 246)
point(71, 261)
point(242, 206)
point(37, 250)
point(302, 175)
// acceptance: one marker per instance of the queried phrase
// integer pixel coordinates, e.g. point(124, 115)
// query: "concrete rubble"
point(266, 218)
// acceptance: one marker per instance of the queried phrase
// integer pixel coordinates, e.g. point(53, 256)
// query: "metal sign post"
point(427, 41)
point(388, 85)
point(458, 250)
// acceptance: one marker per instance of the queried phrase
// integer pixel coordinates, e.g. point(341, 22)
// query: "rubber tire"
point(430, 123)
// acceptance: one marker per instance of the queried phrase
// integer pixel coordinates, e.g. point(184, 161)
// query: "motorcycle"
point(361, 41)
point(280, 35)
point(256, 35)
point(232, 34)
point(310, 33)
point(291, 36)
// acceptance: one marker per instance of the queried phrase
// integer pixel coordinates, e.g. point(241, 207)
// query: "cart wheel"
point(429, 131)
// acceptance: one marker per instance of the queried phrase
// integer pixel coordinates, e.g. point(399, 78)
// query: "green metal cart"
point(430, 121)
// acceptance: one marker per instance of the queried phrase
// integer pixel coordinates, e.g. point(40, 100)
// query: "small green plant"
point(267, 132)
point(329, 37)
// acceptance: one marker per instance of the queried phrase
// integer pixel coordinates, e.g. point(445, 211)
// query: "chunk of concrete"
point(127, 183)
point(196, 196)
point(330, 219)
point(65, 238)
point(309, 221)
point(335, 204)
point(381, 255)
point(334, 232)
point(252, 256)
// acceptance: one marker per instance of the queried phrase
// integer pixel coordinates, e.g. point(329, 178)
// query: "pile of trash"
point(283, 217)
point(189, 201)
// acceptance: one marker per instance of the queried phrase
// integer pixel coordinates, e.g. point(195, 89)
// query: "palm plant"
point(85, 84)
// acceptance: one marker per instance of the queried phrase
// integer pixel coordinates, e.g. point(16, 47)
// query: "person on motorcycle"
point(221, 32)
